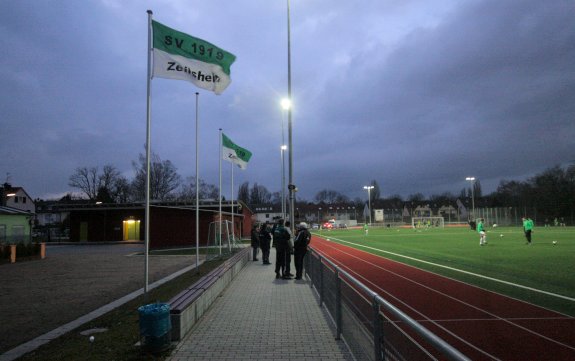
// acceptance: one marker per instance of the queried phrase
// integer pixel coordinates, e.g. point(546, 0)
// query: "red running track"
point(481, 324)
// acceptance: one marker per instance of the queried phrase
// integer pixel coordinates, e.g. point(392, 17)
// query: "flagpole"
point(220, 197)
point(197, 190)
point(233, 225)
point(148, 152)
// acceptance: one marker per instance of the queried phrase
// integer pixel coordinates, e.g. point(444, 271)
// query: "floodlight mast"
point(282, 150)
point(291, 186)
point(472, 180)
point(285, 104)
point(369, 188)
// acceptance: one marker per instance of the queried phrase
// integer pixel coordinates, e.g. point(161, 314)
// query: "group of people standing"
point(285, 244)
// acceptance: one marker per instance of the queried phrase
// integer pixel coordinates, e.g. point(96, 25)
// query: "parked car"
point(329, 225)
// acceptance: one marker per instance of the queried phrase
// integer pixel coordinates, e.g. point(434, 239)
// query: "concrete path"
point(261, 318)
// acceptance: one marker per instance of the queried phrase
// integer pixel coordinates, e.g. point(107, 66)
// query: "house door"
point(131, 230)
point(83, 231)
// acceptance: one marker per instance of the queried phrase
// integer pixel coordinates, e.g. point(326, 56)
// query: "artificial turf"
point(541, 273)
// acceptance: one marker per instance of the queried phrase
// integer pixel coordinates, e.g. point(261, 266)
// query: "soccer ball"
point(500, 235)
point(554, 242)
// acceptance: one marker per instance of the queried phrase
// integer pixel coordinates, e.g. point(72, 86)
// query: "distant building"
point(267, 213)
point(172, 223)
point(16, 197)
point(15, 225)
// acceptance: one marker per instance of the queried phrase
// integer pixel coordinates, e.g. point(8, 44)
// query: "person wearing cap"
point(301, 242)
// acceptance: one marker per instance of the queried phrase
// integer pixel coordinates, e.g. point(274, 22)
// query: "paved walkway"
point(261, 318)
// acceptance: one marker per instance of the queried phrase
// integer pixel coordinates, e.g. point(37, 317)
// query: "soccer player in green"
point(481, 231)
point(527, 228)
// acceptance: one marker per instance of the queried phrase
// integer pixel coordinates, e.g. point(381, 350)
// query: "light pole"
point(283, 149)
point(319, 209)
point(291, 186)
point(472, 180)
point(286, 105)
point(369, 188)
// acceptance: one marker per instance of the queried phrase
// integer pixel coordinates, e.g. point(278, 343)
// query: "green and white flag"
point(234, 153)
point(183, 57)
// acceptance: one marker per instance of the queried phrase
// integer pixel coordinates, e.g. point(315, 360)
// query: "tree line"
point(551, 192)
point(110, 186)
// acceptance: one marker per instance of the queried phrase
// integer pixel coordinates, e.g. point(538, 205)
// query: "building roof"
point(13, 211)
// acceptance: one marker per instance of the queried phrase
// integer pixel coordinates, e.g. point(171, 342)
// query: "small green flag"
point(183, 57)
point(234, 153)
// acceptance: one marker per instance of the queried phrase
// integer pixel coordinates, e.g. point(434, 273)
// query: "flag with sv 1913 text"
point(183, 57)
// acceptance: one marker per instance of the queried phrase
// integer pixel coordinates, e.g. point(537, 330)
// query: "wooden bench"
point(188, 306)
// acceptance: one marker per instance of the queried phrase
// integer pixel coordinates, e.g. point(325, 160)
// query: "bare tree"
point(330, 197)
point(86, 179)
point(260, 195)
point(164, 178)
point(103, 186)
point(207, 191)
point(244, 192)
point(375, 193)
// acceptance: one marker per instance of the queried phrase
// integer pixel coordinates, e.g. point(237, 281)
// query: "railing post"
point(377, 330)
point(311, 274)
point(337, 304)
point(320, 282)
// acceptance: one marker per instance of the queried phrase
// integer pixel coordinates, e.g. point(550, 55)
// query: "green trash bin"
point(155, 327)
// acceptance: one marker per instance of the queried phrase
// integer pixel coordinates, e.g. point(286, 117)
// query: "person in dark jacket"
point(255, 242)
point(288, 252)
point(265, 240)
point(301, 242)
point(281, 240)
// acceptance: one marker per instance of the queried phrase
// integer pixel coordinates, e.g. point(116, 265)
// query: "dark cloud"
point(414, 95)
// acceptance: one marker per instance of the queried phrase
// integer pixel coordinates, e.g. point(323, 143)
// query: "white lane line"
point(443, 294)
point(459, 270)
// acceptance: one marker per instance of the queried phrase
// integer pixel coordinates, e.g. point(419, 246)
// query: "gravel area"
point(73, 280)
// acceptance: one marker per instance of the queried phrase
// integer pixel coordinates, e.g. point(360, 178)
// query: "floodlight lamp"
point(470, 178)
point(284, 147)
point(286, 103)
point(10, 194)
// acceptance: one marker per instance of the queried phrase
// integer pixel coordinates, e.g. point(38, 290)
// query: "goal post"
point(427, 222)
point(221, 244)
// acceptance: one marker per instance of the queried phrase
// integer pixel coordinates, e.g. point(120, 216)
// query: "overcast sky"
point(415, 94)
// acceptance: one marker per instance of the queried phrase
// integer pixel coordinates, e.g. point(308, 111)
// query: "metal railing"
point(371, 326)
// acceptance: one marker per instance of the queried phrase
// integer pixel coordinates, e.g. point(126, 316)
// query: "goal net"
point(427, 222)
point(221, 244)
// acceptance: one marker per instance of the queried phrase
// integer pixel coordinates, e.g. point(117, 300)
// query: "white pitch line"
point(507, 320)
point(461, 271)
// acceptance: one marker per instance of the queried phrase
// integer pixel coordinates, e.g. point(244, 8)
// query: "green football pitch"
point(542, 273)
